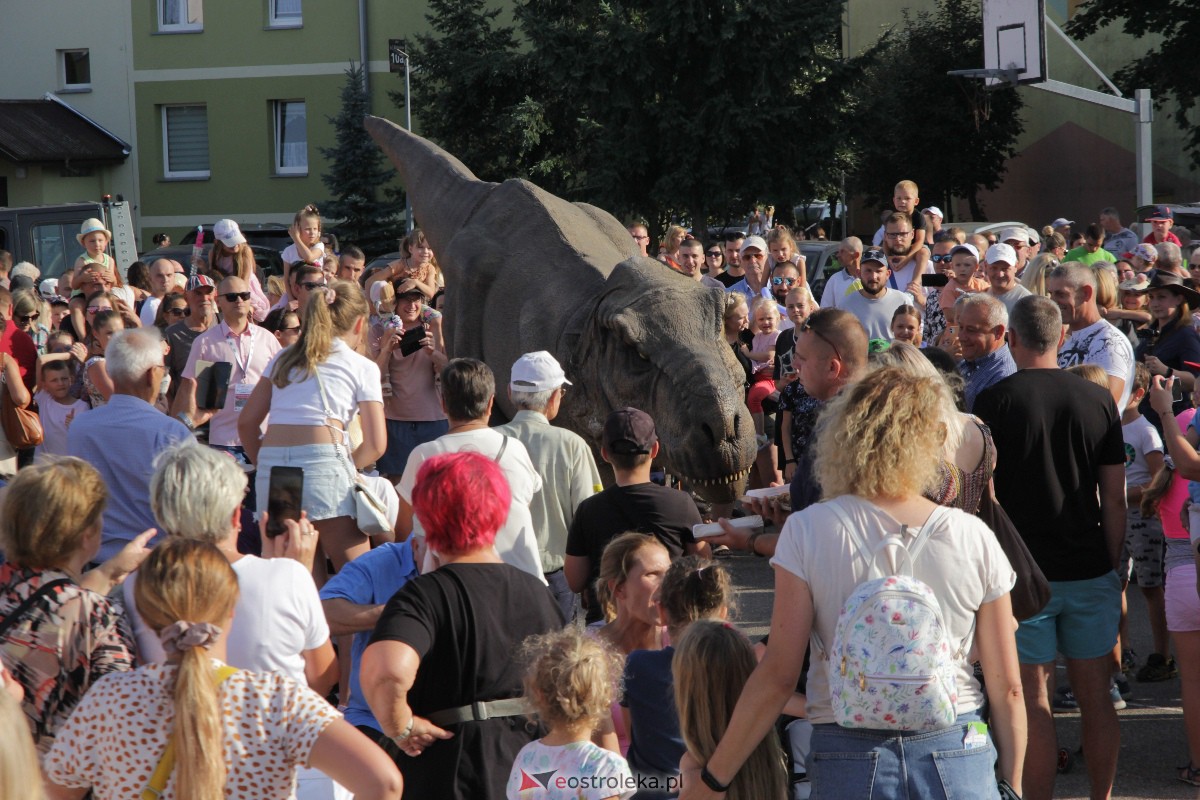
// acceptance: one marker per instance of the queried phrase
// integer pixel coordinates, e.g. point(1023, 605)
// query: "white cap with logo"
point(537, 372)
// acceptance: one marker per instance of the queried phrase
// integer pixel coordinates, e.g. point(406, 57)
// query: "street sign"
point(397, 55)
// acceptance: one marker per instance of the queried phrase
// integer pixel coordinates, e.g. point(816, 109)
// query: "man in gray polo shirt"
point(562, 459)
point(1002, 273)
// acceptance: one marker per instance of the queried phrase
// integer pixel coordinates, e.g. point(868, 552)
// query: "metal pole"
point(1145, 161)
point(408, 218)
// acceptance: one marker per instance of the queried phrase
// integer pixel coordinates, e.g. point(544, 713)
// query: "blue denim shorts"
point(327, 489)
point(880, 765)
point(402, 438)
point(1080, 621)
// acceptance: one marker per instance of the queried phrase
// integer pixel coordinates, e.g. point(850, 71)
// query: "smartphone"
point(410, 342)
point(936, 279)
point(284, 497)
point(1176, 390)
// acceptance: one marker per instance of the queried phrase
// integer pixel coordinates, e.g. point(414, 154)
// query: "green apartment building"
point(232, 99)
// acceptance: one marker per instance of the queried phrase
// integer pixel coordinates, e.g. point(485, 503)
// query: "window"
point(55, 248)
point(284, 14)
point(185, 141)
point(175, 16)
point(75, 70)
point(291, 138)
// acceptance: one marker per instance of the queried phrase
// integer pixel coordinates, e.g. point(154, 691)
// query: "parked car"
point(267, 260)
point(820, 261)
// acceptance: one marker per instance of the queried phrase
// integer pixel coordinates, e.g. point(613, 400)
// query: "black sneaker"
point(1158, 668)
point(1128, 661)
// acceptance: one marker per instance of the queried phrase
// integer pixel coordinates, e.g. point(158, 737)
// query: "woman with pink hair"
point(439, 673)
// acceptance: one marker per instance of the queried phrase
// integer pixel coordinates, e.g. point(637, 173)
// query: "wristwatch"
point(186, 419)
point(750, 543)
point(712, 782)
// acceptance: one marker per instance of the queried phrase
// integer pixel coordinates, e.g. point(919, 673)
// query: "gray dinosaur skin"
point(526, 270)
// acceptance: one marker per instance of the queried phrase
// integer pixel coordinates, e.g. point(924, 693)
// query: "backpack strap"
point(18, 612)
point(915, 549)
point(162, 772)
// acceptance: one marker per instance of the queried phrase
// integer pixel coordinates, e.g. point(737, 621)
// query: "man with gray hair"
point(122, 437)
point(562, 458)
point(1170, 259)
point(1060, 475)
point(840, 283)
point(982, 321)
point(1091, 338)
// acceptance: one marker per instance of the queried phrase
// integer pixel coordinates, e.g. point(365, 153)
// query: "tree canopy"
point(355, 175)
point(1169, 70)
point(915, 103)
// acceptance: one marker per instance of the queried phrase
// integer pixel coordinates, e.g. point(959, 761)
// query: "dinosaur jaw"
point(724, 489)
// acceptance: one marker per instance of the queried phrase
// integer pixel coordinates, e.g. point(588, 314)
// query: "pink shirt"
point(249, 354)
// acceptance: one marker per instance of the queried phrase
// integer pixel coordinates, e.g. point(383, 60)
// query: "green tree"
point(690, 109)
point(468, 79)
point(915, 104)
point(355, 174)
point(1170, 70)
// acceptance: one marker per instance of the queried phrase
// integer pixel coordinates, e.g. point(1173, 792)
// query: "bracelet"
point(1170, 373)
point(751, 543)
point(407, 731)
point(712, 782)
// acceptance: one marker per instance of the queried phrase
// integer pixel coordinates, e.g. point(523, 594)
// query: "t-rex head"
point(653, 340)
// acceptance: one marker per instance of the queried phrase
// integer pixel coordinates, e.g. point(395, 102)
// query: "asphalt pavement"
point(1153, 741)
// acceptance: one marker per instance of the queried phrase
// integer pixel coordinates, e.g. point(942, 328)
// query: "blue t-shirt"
point(655, 743)
point(370, 579)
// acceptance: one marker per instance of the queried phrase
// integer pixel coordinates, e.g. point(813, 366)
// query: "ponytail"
point(1153, 494)
point(197, 732)
point(330, 313)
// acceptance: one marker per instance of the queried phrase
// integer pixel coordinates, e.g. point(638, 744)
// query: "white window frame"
point(277, 113)
point(62, 70)
point(166, 144)
point(180, 27)
point(275, 19)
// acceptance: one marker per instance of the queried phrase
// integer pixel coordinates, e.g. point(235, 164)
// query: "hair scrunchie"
point(330, 295)
point(184, 635)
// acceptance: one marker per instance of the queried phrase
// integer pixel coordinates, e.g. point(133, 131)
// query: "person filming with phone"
point(410, 354)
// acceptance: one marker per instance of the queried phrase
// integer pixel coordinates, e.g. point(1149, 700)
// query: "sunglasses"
point(290, 330)
point(714, 254)
point(98, 309)
point(807, 326)
point(940, 259)
point(781, 281)
point(233, 297)
point(314, 285)
point(24, 318)
point(177, 312)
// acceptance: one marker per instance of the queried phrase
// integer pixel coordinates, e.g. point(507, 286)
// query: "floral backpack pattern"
point(891, 666)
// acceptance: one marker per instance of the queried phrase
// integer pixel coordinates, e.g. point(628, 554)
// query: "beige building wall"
point(32, 32)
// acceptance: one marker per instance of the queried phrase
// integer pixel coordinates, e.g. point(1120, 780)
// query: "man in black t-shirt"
point(629, 443)
point(1060, 476)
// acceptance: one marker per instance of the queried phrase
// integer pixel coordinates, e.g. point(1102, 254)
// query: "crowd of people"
point(440, 607)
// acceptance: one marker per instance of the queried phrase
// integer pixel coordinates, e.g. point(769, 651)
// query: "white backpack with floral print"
point(891, 666)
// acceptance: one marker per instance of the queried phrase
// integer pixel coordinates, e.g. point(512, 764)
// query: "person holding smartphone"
point(410, 354)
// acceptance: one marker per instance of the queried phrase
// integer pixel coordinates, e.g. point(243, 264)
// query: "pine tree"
point(355, 175)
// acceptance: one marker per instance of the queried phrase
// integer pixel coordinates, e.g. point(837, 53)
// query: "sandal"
point(1189, 774)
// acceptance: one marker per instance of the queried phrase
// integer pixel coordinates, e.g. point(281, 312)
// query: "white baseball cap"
point(937, 212)
point(965, 248)
point(537, 372)
point(228, 233)
point(1001, 253)
point(756, 242)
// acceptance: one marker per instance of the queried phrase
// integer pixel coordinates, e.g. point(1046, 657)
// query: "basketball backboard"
point(1014, 38)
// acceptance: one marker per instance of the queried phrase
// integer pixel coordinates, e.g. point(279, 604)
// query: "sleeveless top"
point(94, 397)
point(961, 489)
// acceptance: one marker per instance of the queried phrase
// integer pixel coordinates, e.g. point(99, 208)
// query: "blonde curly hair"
point(883, 436)
point(571, 677)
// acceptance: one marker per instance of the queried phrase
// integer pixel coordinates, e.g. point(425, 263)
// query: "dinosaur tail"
point(443, 192)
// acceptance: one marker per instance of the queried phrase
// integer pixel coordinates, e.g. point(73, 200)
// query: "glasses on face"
point(897, 234)
point(296, 329)
point(177, 312)
point(714, 254)
point(98, 309)
point(25, 319)
point(808, 326)
point(642, 238)
point(779, 280)
point(233, 297)
point(314, 285)
point(935, 258)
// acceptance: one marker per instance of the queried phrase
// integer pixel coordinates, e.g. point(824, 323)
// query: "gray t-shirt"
point(1011, 297)
point(1121, 242)
point(875, 314)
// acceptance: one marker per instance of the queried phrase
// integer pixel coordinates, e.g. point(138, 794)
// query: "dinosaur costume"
point(530, 271)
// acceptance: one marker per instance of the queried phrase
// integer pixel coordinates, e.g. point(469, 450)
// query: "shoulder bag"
point(1031, 592)
point(21, 424)
point(27, 603)
point(369, 510)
